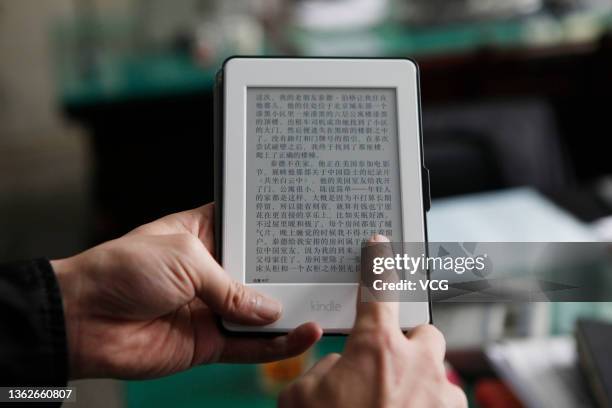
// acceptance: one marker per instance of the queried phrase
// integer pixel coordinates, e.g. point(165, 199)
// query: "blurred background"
point(106, 122)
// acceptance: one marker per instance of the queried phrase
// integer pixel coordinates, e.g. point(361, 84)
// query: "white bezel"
point(241, 73)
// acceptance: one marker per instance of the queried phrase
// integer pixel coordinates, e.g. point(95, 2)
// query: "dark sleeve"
point(33, 348)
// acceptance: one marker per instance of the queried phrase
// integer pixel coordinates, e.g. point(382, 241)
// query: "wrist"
point(67, 275)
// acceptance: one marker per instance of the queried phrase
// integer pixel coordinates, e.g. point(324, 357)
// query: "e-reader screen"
point(322, 176)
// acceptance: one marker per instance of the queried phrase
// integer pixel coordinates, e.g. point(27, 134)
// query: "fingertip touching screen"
point(323, 176)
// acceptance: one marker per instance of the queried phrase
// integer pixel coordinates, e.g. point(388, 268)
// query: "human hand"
point(380, 367)
point(147, 304)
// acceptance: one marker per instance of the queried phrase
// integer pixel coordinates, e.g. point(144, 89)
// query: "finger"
point(372, 313)
point(262, 350)
point(232, 300)
point(198, 222)
point(323, 366)
point(429, 337)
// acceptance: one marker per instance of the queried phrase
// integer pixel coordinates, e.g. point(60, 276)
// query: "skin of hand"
point(380, 366)
point(147, 305)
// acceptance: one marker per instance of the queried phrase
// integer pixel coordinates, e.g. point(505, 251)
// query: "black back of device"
point(218, 92)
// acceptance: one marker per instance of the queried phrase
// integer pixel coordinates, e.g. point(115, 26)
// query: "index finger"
point(373, 310)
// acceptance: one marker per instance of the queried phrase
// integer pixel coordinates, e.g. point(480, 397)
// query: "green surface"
point(126, 77)
point(226, 385)
point(119, 75)
point(118, 72)
point(394, 40)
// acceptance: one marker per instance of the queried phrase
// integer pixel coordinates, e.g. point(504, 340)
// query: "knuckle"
point(381, 351)
point(426, 361)
point(379, 346)
point(383, 341)
point(236, 297)
point(188, 244)
point(429, 343)
point(438, 336)
point(368, 344)
point(427, 353)
point(433, 333)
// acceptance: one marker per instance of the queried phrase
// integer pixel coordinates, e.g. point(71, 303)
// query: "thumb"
point(232, 300)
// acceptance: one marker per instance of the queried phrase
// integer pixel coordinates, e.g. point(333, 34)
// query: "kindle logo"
point(325, 307)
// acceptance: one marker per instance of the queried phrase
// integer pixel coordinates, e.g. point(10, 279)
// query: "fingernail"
point(379, 238)
point(266, 308)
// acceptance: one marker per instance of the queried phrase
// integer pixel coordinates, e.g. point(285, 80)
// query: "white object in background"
point(514, 215)
point(603, 228)
point(541, 372)
point(340, 14)
point(469, 326)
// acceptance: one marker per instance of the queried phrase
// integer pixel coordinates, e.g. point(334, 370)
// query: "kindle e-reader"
point(315, 155)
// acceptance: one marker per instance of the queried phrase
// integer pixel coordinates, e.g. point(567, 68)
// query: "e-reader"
point(313, 156)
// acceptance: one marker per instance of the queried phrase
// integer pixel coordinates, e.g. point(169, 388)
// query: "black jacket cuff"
point(33, 346)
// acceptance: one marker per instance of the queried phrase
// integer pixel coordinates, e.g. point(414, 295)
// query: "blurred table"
point(227, 385)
